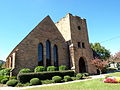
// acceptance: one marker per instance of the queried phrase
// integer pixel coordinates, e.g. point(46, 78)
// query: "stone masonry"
point(69, 34)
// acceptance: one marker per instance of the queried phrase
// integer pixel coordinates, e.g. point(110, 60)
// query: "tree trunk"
point(100, 71)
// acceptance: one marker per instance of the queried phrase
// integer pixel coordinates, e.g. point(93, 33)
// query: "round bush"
point(27, 84)
point(56, 79)
point(73, 78)
point(79, 76)
point(19, 85)
point(5, 71)
point(51, 68)
point(3, 81)
point(1, 77)
point(35, 81)
point(47, 81)
point(62, 68)
point(12, 83)
point(25, 70)
point(39, 69)
point(67, 78)
point(85, 74)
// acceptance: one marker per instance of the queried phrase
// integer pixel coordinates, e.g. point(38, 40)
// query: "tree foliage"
point(116, 56)
point(99, 64)
point(1, 63)
point(101, 51)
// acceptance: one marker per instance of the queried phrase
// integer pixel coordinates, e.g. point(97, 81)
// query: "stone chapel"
point(53, 44)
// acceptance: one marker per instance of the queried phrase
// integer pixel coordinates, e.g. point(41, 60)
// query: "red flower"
point(110, 80)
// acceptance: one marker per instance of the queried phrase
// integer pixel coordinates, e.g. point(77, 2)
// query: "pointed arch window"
point(40, 54)
point(55, 55)
point(48, 53)
point(11, 64)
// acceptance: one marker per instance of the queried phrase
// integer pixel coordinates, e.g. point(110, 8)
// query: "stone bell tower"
point(74, 30)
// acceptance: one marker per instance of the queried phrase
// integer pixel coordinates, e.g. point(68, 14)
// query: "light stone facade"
point(69, 34)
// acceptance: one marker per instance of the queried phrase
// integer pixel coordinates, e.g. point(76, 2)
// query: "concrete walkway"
point(22, 88)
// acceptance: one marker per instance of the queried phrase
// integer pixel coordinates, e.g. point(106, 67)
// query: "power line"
point(110, 39)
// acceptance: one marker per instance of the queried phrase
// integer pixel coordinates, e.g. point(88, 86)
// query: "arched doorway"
point(82, 67)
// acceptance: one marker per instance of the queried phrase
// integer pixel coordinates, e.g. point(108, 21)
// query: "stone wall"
point(79, 33)
point(27, 53)
point(65, 34)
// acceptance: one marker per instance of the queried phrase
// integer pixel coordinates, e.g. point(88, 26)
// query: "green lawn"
point(95, 84)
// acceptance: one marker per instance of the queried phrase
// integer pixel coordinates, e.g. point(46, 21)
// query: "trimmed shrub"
point(4, 77)
point(25, 70)
point(12, 83)
point(5, 71)
point(27, 84)
point(19, 85)
point(3, 81)
point(39, 69)
point(23, 85)
point(73, 78)
point(35, 81)
point(51, 68)
point(85, 74)
point(79, 76)
point(62, 68)
point(7, 77)
point(26, 77)
point(1, 77)
point(47, 81)
point(67, 78)
point(57, 79)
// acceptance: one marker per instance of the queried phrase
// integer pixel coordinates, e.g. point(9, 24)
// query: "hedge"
point(26, 77)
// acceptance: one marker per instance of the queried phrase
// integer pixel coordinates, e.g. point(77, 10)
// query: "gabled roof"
point(47, 18)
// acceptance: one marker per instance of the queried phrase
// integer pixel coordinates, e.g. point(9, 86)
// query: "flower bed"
point(112, 80)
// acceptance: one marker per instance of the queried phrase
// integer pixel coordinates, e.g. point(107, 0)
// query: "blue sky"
point(19, 17)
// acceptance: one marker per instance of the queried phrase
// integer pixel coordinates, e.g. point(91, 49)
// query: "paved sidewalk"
point(22, 88)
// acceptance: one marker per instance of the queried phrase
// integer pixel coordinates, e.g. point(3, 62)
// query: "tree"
point(116, 56)
point(99, 64)
point(1, 63)
point(101, 51)
point(115, 59)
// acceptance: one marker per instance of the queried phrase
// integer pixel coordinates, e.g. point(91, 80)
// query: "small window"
point(79, 28)
point(79, 46)
point(83, 45)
